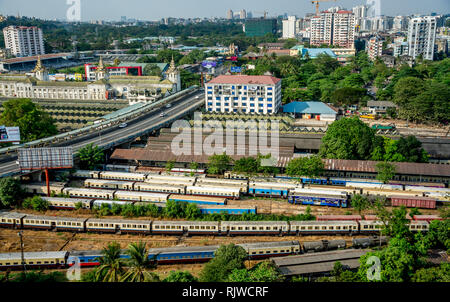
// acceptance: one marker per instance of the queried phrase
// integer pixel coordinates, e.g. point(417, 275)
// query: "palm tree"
point(138, 264)
point(111, 265)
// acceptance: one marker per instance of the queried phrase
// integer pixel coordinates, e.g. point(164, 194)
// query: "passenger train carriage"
point(141, 196)
point(201, 200)
point(233, 193)
point(161, 188)
point(60, 203)
point(34, 260)
point(323, 227)
point(118, 225)
point(318, 197)
point(254, 227)
point(270, 189)
point(88, 193)
point(188, 227)
point(108, 184)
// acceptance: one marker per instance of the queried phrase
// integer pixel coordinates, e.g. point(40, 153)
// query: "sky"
point(157, 9)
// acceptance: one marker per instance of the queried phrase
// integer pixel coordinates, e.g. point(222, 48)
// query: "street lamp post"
point(21, 250)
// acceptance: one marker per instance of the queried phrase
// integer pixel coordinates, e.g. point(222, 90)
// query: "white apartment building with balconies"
point(243, 94)
point(24, 41)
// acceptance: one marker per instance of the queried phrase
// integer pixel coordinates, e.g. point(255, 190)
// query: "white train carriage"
point(86, 174)
point(51, 222)
point(89, 193)
point(33, 260)
point(122, 176)
point(242, 189)
point(119, 225)
point(170, 179)
point(377, 186)
point(323, 227)
point(187, 171)
point(41, 188)
point(141, 196)
point(68, 203)
point(161, 188)
point(415, 226)
point(109, 184)
point(254, 227)
point(11, 219)
point(99, 202)
point(230, 182)
point(188, 227)
point(121, 168)
point(370, 226)
point(427, 189)
point(233, 193)
point(272, 249)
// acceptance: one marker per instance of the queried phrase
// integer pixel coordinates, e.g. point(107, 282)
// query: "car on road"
point(123, 125)
point(162, 114)
point(168, 105)
point(197, 97)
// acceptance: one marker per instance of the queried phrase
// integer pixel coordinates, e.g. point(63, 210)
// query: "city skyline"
point(144, 10)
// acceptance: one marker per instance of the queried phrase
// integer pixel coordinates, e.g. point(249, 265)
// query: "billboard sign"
point(9, 134)
point(209, 64)
point(45, 158)
point(236, 69)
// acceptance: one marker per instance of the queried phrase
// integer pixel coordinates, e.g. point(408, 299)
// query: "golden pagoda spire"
point(172, 66)
point(39, 66)
point(100, 66)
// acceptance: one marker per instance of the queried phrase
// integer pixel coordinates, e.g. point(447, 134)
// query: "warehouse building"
point(311, 110)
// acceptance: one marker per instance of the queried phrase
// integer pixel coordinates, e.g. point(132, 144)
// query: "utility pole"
point(21, 250)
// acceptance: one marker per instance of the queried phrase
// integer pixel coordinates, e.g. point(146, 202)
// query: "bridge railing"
point(99, 126)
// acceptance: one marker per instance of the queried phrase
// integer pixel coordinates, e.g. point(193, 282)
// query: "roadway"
point(113, 136)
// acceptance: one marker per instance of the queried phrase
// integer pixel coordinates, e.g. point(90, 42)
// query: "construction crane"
point(316, 2)
point(264, 12)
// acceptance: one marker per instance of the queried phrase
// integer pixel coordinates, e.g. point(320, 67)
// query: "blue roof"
point(314, 52)
point(308, 107)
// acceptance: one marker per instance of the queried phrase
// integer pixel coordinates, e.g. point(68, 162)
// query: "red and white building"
point(243, 94)
point(374, 47)
point(333, 28)
point(90, 69)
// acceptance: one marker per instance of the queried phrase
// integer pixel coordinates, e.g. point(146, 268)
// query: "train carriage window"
point(331, 227)
point(316, 228)
point(324, 228)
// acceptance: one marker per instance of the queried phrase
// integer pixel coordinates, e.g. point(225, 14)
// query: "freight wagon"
point(413, 202)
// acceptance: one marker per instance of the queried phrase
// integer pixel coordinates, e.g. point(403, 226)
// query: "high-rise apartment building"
point(422, 36)
point(374, 47)
point(230, 14)
point(333, 29)
point(289, 27)
point(400, 23)
point(24, 41)
point(243, 14)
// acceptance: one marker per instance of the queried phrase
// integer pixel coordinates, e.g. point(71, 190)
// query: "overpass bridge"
point(108, 134)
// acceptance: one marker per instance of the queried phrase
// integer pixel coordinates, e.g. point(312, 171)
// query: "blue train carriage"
point(323, 227)
point(89, 193)
point(318, 197)
point(118, 226)
point(233, 193)
point(270, 189)
point(271, 249)
point(108, 184)
point(254, 228)
point(33, 260)
point(182, 254)
point(85, 258)
point(186, 227)
point(229, 209)
point(60, 203)
point(315, 181)
point(159, 188)
point(141, 196)
point(11, 220)
point(200, 200)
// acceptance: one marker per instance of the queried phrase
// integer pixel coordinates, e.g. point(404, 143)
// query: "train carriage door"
point(117, 228)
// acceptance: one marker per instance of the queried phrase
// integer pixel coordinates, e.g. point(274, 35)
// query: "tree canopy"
point(33, 122)
point(226, 259)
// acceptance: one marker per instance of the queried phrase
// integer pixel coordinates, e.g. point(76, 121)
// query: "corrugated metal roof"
point(318, 257)
point(317, 268)
point(244, 79)
point(308, 107)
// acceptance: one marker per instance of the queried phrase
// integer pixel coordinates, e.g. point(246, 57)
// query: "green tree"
point(433, 274)
point(152, 70)
point(180, 276)
point(226, 259)
point(138, 263)
point(262, 272)
point(247, 165)
point(33, 122)
point(385, 171)
point(90, 156)
point(218, 164)
point(191, 211)
point(36, 203)
point(111, 266)
point(174, 209)
point(10, 192)
point(170, 165)
point(360, 203)
point(305, 166)
point(348, 138)
point(347, 96)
